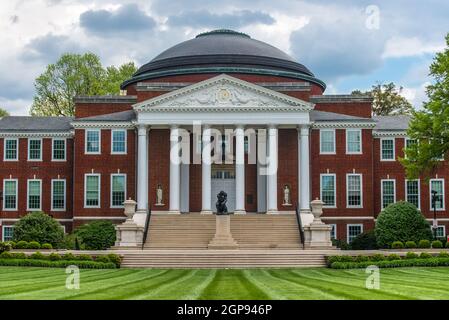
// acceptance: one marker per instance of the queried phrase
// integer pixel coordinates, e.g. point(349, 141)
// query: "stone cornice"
point(390, 133)
point(37, 134)
point(343, 124)
point(103, 124)
point(106, 99)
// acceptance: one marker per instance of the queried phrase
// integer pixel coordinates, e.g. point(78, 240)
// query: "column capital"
point(174, 126)
point(142, 129)
point(272, 126)
point(240, 126)
point(304, 130)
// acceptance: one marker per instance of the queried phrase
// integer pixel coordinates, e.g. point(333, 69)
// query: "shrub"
point(411, 255)
point(377, 257)
point(401, 221)
point(425, 255)
point(431, 262)
point(56, 264)
point(38, 256)
point(22, 244)
point(424, 244)
point(102, 258)
point(365, 241)
point(97, 235)
point(68, 256)
point(13, 244)
point(18, 255)
point(443, 255)
point(47, 246)
point(393, 256)
point(33, 245)
point(437, 244)
point(410, 244)
point(343, 245)
point(361, 258)
point(397, 245)
point(40, 227)
point(54, 257)
point(5, 255)
point(447, 244)
point(5, 246)
point(84, 257)
point(342, 258)
point(115, 258)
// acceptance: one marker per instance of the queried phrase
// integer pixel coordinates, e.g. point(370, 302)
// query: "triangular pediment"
point(225, 92)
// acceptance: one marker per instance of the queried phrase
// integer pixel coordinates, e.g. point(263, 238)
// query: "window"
point(118, 141)
point(353, 231)
point(93, 141)
point(412, 192)
point(333, 231)
point(327, 141)
point(438, 186)
point(408, 144)
point(8, 233)
point(328, 190)
point(441, 232)
point(10, 150)
point(58, 149)
point(353, 141)
point(10, 194)
point(246, 144)
point(35, 149)
point(34, 194)
point(118, 190)
point(388, 192)
point(58, 191)
point(387, 150)
point(92, 191)
point(354, 190)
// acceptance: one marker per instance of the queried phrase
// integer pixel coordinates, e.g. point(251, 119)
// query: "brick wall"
point(288, 167)
point(159, 166)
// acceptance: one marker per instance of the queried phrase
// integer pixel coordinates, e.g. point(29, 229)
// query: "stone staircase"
point(223, 259)
point(251, 231)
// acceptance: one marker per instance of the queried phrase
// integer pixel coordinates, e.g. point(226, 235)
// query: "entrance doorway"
point(223, 179)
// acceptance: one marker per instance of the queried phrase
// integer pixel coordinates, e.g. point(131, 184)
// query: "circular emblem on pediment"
point(223, 95)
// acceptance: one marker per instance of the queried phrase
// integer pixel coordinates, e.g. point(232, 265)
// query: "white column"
point(175, 171)
point(272, 178)
point(142, 175)
point(304, 168)
point(206, 168)
point(239, 170)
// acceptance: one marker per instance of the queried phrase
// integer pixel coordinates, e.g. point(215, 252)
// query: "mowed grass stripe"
point(195, 289)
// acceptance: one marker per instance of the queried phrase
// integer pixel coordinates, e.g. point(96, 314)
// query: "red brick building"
point(277, 142)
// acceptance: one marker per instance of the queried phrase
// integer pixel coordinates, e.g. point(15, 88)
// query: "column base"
point(206, 212)
point(272, 211)
point(239, 212)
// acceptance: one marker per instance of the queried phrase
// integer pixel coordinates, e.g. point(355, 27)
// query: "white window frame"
point(28, 196)
point(444, 230)
point(347, 141)
point(53, 148)
point(382, 191)
point(117, 175)
point(381, 149)
point(85, 190)
point(3, 231)
point(353, 225)
point(334, 225)
point(65, 195)
point(419, 191)
point(361, 191)
point(17, 194)
point(17, 149)
point(335, 188)
point(42, 146)
point(126, 141)
point(334, 141)
point(443, 192)
point(99, 141)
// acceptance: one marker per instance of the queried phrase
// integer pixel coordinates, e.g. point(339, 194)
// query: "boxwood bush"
point(56, 264)
point(424, 244)
point(39, 227)
point(437, 244)
point(397, 245)
point(33, 245)
point(96, 235)
point(410, 244)
point(401, 221)
point(22, 244)
point(365, 241)
point(47, 246)
point(5, 246)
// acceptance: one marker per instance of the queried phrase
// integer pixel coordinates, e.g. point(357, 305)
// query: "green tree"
point(387, 100)
point(430, 125)
point(40, 227)
point(73, 75)
point(3, 113)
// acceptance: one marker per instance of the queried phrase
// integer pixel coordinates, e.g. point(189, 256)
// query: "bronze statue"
point(221, 203)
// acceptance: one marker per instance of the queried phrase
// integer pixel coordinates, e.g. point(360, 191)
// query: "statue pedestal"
point(223, 238)
point(129, 234)
point(317, 235)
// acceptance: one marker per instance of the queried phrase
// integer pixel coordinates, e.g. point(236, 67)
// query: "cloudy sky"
point(350, 44)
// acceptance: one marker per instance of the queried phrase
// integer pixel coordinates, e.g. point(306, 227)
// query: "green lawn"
point(313, 283)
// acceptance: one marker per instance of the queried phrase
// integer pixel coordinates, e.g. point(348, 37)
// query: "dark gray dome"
point(223, 51)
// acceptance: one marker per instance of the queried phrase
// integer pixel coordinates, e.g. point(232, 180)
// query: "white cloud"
point(397, 47)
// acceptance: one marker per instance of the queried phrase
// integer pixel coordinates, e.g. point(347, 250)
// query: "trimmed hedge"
point(397, 245)
point(424, 244)
point(437, 244)
point(430, 262)
point(56, 264)
point(410, 244)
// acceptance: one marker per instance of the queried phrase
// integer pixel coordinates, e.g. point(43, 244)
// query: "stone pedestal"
point(223, 238)
point(129, 234)
point(317, 235)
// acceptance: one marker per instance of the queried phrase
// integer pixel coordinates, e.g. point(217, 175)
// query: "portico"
point(252, 117)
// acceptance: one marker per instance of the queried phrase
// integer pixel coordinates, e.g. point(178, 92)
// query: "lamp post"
point(434, 205)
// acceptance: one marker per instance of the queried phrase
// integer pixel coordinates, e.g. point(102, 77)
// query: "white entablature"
point(223, 100)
